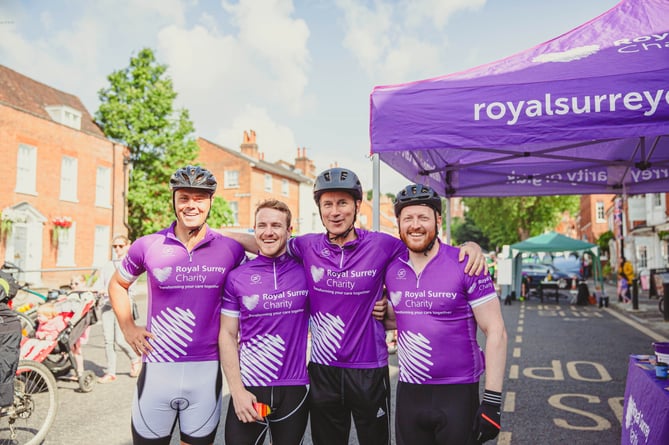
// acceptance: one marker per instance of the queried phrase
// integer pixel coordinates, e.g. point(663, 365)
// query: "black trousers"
point(336, 394)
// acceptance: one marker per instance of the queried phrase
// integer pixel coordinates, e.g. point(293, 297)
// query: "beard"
point(417, 245)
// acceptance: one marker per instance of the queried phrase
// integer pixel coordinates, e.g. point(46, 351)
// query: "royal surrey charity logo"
point(250, 301)
point(567, 56)
point(317, 273)
point(396, 297)
point(162, 273)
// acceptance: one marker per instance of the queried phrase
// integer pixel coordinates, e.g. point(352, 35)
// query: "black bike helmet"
point(417, 194)
point(337, 179)
point(193, 177)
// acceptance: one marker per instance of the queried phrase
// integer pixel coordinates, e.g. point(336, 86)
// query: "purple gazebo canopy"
point(586, 112)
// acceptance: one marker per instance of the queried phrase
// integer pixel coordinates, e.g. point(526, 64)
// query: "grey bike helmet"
point(193, 177)
point(417, 194)
point(337, 179)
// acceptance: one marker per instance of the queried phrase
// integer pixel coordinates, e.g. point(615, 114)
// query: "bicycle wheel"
point(35, 404)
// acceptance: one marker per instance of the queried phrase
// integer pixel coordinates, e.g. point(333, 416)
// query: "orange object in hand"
point(262, 409)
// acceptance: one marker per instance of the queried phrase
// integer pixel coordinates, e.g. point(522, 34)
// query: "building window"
point(26, 170)
point(284, 187)
point(657, 199)
point(643, 257)
point(65, 256)
point(268, 183)
point(103, 187)
point(68, 179)
point(101, 246)
point(231, 179)
point(234, 206)
point(601, 215)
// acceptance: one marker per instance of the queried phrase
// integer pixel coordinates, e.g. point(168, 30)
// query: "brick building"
point(57, 166)
point(245, 179)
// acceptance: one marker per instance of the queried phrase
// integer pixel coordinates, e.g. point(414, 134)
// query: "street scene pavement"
point(552, 332)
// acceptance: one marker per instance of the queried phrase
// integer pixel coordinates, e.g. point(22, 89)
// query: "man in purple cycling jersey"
point(186, 266)
point(436, 308)
point(345, 266)
point(265, 305)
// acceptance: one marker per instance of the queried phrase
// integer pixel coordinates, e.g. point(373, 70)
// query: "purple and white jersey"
point(344, 283)
point(436, 328)
point(270, 298)
point(184, 291)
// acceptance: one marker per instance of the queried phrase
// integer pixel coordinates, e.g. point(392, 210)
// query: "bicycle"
point(28, 317)
point(35, 403)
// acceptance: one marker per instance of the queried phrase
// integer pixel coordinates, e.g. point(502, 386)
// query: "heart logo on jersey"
point(395, 297)
point(162, 273)
point(250, 301)
point(317, 273)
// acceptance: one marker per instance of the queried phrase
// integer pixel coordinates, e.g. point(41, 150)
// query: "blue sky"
point(299, 72)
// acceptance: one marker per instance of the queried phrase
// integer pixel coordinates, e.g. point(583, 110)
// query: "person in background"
point(186, 267)
point(266, 307)
point(437, 309)
point(110, 327)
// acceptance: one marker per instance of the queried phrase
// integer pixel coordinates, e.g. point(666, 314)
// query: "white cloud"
point(274, 140)
point(395, 42)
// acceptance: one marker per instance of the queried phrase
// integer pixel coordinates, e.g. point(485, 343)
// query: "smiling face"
point(338, 210)
point(417, 226)
point(191, 207)
point(272, 231)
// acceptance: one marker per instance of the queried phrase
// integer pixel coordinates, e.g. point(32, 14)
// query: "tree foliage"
point(512, 219)
point(465, 230)
point(137, 110)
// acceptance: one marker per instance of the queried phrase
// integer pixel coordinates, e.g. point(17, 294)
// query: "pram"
point(79, 311)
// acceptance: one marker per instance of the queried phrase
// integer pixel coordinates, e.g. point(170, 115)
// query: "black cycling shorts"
point(435, 414)
point(337, 393)
point(286, 422)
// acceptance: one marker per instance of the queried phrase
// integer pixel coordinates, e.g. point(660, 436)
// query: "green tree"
point(508, 220)
point(465, 230)
point(137, 110)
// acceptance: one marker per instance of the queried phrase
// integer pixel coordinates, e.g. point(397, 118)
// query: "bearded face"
point(417, 226)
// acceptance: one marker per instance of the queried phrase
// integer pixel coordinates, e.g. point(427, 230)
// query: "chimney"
point(249, 146)
point(304, 164)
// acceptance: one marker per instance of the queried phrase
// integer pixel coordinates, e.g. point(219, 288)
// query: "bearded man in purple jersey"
point(186, 266)
point(266, 306)
point(348, 369)
point(436, 308)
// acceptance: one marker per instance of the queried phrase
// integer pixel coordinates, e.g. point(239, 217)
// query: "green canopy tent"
point(552, 242)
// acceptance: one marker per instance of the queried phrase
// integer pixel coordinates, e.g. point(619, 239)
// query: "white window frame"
point(600, 212)
point(657, 199)
point(68, 178)
point(101, 253)
point(66, 245)
point(285, 187)
point(268, 183)
point(231, 179)
point(103, 187)
point(26, 170)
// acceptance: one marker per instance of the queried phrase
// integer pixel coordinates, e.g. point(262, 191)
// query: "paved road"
point(103, 415)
